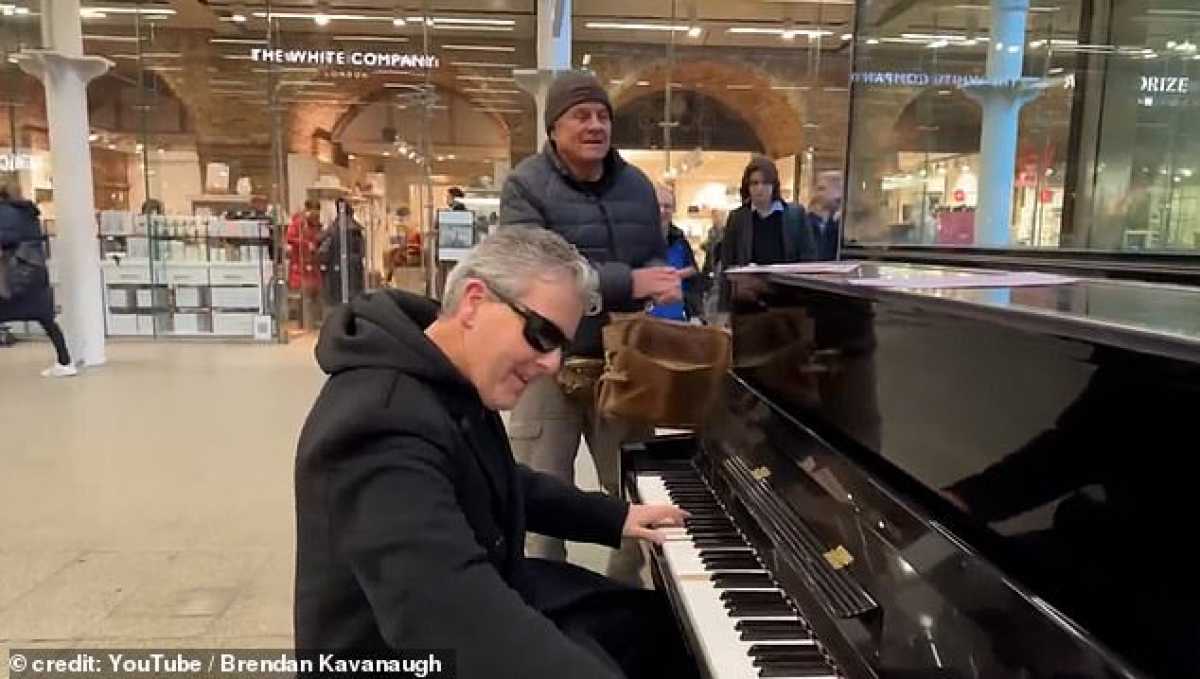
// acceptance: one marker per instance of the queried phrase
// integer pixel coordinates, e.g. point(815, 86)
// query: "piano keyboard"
point(745, 624)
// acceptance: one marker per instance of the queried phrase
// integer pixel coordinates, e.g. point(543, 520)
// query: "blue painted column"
point(1001, 98)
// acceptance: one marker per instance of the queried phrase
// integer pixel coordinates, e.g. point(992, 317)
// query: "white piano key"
point(727, 656)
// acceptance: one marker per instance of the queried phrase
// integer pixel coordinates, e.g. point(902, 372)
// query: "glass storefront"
point(700, 86)
point(1086, 106)
point(1059, 126)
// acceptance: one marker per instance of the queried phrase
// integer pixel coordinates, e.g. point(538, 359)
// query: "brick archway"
point(775, 117)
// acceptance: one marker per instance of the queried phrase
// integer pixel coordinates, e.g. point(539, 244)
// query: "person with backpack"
point(25, 292)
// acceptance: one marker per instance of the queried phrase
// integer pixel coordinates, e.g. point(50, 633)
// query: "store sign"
point(1166, 84)
point(340, 58)
point(915, 78)
point(15, 162)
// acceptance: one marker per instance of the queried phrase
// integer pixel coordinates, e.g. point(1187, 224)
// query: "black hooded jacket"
point(411, 512)
point(21, 235)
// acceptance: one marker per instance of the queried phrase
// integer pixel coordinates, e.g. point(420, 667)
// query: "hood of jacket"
point(386, 329)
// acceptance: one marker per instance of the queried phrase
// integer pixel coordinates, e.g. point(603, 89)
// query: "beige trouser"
point(544, 431)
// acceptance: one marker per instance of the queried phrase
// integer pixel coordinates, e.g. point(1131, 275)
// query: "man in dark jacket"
point(579, 187)
point(825, 214)
point(25, 291)
point(411, 512)
point(765, 229)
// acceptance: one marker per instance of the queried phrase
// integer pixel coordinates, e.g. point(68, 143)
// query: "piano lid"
point(1050, 428)
point(1154, 318)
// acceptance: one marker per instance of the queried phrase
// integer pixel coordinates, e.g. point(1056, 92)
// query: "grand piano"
point(974, 482)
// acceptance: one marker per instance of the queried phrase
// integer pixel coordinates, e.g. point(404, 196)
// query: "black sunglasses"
point(540, 332)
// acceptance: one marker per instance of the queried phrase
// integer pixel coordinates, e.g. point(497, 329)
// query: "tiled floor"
point(148, 503)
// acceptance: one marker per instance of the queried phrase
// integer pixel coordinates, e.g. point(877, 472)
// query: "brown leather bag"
point(664, 373)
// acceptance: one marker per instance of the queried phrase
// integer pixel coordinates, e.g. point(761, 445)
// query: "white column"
point(553, 54)
point(65, 73)
point(1001, 99)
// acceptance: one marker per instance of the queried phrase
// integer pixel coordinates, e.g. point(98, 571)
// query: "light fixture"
point(626, 26)
point(464, 21)
point(643, 83)
point(486, 64)
point(387, 154)
point(148, 11)
point(808, 32)
point(321, 19)
point(695, 31)
point(111, 38)
point(233, 41)
point(480, 48)
point(587, 59)
point(239, 14)
point(872, 41)
point(351, 156)
point(489, 90)
point(93, 137)
point(847, 36)
point(486, 78)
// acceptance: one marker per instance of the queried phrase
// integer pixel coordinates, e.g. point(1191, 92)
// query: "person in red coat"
point(304, 271)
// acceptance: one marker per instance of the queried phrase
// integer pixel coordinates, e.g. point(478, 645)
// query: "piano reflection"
point(975, 483)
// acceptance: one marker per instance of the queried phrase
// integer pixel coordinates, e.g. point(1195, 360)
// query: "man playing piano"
point(411, 512)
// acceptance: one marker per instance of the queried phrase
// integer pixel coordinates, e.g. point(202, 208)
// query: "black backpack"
point(22, 260)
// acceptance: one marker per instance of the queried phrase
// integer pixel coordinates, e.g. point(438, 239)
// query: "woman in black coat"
point(27, 295)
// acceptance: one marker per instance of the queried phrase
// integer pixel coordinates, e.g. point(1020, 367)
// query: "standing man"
point(681, 258)
point(825, 213)
point(579, 187)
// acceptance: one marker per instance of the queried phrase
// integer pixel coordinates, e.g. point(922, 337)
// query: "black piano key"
point(733, 580)
point(758, 610)
point(702, 542)
point(763, 653)
point(701, 533)
point(743, 550)
point(709, 527)
point(748, 598)
point(772, 630)
point(734, 564)
point(788, 669)
point(708, 522)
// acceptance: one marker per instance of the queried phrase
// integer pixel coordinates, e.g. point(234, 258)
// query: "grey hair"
point(513, 257)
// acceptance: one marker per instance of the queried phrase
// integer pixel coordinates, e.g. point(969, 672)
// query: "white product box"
point(237, 298)
point(126, 273)
point(233, 324)
point(122, 324)
point(187, 274)
point(187, 323)
point(187, 297)
point(235, 274)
